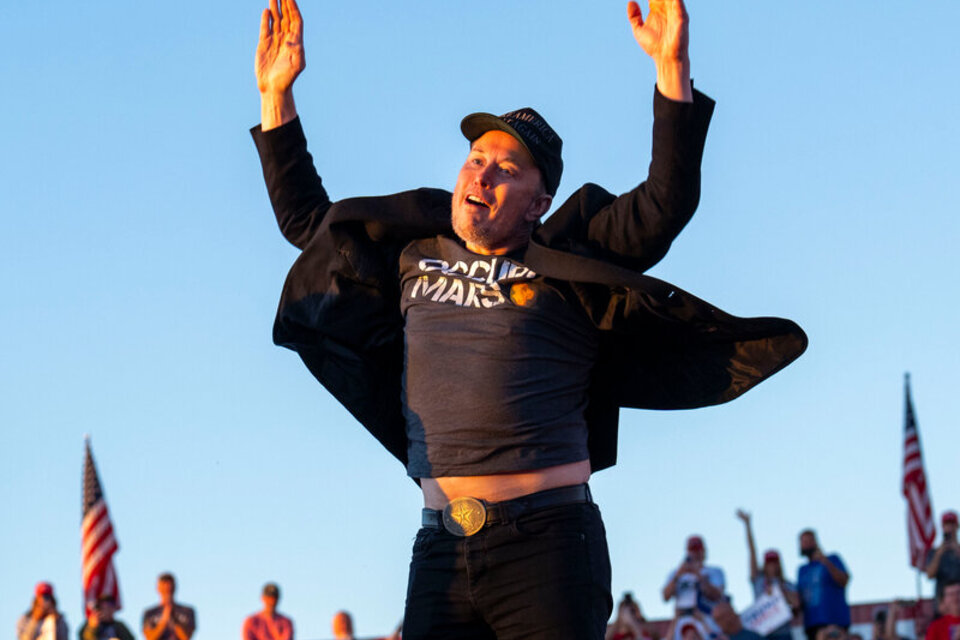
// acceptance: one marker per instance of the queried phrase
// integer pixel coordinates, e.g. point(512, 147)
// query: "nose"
point(486, 175)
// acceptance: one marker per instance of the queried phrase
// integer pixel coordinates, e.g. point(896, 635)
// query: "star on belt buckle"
point(464, 516)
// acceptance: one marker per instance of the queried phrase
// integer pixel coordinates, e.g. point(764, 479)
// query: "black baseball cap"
point(533, 132)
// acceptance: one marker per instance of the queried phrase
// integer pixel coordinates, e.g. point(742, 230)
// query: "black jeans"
point(544, 575)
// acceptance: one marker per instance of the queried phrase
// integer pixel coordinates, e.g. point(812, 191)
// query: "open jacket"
point(660, 347)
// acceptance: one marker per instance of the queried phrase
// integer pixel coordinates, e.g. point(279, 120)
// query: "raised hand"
point(744, 516)
point(280, 56)
point(665, 37)
point(664, 34)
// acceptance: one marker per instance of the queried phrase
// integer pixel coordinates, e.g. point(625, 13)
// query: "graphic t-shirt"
point(688, 592)
point(496, 366)
point(824, 601)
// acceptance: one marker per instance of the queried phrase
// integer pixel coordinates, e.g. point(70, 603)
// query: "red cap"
point(949, 516)
point(694, 543)
point(43, 589)
point(688, 625)
point(772, 555)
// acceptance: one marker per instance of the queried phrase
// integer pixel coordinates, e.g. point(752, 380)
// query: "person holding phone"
point(694, 586)
point(822, 584)
point(42, 621)
point(100, 623)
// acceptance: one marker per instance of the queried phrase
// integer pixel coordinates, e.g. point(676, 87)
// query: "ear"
point(538, 206)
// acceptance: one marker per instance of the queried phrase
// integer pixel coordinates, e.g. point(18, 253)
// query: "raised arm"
point(279, 61)
point(637, 228)
point(751, 545)
point(665, 37)
point(296, 191)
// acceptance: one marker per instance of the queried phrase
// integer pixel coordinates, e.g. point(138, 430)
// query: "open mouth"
point(474, 200)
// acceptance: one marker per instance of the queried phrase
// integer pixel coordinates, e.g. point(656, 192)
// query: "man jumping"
point(490, 353)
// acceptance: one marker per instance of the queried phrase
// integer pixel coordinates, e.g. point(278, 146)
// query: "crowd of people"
point(817, 599)
point(697, 590)
point(168, 620)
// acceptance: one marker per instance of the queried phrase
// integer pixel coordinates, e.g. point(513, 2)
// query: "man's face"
point(269, 602)
point(498, 195)
point(950, 602)
point(165, 589)
point(105, 611)
point(808, 544)
point(949, 529)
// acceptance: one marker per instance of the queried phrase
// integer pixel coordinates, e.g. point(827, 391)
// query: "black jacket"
point(660, 347)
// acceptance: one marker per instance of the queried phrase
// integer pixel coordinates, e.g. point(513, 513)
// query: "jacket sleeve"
point(296, 191)
point(637, 228)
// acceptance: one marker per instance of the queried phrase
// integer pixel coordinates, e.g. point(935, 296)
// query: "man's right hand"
point(279, 61)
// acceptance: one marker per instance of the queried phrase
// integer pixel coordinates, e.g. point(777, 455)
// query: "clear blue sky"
point(140, 267)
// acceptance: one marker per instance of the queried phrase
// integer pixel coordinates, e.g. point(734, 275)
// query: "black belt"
point(465, 516)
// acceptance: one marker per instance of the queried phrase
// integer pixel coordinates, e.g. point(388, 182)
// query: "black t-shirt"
point(948, 571)
point(496, 366)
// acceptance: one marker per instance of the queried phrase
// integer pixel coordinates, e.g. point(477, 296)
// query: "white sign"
point(767, 614)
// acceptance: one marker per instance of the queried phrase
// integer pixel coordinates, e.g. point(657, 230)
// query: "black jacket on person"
point(660, 347)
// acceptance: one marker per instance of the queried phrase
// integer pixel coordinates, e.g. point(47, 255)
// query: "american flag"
point(98, 543)
point(920, 527)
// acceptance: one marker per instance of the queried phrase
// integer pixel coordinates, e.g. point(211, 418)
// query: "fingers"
point(678, 8)
point(265, 27)
point(292, 11)
point(275, 16)
point(634, 14)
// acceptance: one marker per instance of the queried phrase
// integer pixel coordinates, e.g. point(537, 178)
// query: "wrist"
point(673, 79)
point(276, 108)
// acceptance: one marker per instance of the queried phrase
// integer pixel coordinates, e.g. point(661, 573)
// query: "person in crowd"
point(885, 621)
point(629, 623)
point(693, 585)
point(100, 623)
point(947, 626)
point(690, 628)
point(832, 632)
point(268, 623)
point(689, 625)
point(730, 624)
point(768, 579)
point(822, 583)
point(42, 621)
point(342, 626)
point(168, 620)
point(943, 562)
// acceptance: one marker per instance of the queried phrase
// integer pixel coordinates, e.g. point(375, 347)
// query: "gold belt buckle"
point(464, 516)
